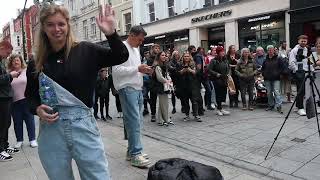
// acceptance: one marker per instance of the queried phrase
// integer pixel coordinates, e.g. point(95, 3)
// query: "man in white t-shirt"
point(128, 81)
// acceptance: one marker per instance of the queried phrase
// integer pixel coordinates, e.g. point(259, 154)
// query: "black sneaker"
point(269, 108)
point(153, 118)
point(173, 111)
point(4, 156)
point(279, 109)
point(96, 117)
point(145, 112)
point(103, 118)
point(197, 118)
point(12, 150)
point(108, 117)
point(201, 113)
point(170, 123)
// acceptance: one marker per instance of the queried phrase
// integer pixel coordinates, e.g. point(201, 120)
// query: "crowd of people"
point(69, 78)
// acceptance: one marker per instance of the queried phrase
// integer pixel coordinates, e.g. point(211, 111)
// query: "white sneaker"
point(219, 113)
point(33, 144)
point(224, 112)
point(302, 112)
point(18, 144)
point(213, 105)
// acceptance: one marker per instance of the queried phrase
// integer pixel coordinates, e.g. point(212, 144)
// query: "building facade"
point(124, 11)
point(304, 19)
point(6, 32)
point(243, 23)
point(83, 19)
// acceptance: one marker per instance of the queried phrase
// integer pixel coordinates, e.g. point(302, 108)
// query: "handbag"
point(168, 87)
point(231, 85)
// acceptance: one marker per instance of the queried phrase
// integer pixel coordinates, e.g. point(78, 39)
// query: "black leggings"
point(5, 122)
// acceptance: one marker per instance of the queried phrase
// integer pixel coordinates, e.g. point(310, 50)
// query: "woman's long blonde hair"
point(43, 44)
point(191, 62)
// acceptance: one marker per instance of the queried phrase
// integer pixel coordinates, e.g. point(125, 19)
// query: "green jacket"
point(246, 71)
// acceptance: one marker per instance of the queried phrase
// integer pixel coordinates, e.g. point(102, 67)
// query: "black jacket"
point(78, 73)
point(103, 87)
point(272, 68)
point(5, 82)
point(219, 65)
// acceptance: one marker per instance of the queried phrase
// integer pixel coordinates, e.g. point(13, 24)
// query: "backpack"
point(181, 169)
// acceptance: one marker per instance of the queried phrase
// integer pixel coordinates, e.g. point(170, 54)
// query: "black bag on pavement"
point(180, 169)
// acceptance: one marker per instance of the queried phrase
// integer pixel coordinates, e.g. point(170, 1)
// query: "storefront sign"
point(259, 19)
point(211, 16)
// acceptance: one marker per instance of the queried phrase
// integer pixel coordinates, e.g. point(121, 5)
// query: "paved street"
point(235, 144)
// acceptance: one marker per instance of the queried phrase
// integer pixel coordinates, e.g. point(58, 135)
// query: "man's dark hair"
point(191, 47)
point(303, 37)
point(136, 30)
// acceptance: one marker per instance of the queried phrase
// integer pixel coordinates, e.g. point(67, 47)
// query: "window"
point(208, 3)
point(85, 29)
point(223, 1)
point(152, 16)
point(171, 8)
point(71, 4)
point(127, 22)
point(18, 41)
point(93, 26)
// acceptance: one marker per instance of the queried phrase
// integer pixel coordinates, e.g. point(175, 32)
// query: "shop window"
point(223, 1)
point(152, 16)
point(85, 29)
point(171, 8)
point(269, 31)
point(127, 22)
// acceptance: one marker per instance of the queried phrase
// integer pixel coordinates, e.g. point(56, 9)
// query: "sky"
point(8, 10)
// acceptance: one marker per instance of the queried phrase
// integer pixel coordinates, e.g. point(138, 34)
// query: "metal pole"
point(23, 33)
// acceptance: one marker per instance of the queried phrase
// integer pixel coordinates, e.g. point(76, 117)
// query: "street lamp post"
point(23, 33)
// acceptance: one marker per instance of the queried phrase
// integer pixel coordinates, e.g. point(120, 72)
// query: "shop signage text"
point(259, 19)
point(211, 16)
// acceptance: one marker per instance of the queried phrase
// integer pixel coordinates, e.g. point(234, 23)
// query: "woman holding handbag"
point(163, 85)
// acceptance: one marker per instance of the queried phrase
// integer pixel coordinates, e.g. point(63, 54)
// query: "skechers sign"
point(211, 16)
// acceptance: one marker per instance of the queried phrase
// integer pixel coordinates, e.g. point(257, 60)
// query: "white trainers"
point(302, 112)
point(18, 144)
point(213, 105)
point(219, 113)
point(33, 144)
point(224, 112)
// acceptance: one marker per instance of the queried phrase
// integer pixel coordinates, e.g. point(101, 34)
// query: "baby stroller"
point(260, 92)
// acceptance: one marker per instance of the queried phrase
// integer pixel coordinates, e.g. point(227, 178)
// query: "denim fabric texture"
point(274, 95)
point(132, 107)
point(74, 135)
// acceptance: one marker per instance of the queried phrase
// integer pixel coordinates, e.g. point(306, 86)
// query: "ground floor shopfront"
point(243, 24)
point(305, 20)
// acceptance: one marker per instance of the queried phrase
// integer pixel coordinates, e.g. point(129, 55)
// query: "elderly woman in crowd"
point(245, 70)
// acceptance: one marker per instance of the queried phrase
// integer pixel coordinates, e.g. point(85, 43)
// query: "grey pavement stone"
point(246, 177)
point(299, 155)
point(282, 165)
point(309, 171)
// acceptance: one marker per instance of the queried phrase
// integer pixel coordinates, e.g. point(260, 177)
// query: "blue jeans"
point(273, 91)
point(74, 135)
point(20, 112)
point(132, 106)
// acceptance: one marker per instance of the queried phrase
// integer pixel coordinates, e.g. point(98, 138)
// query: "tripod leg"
point(286, 118)
point(312, 85)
